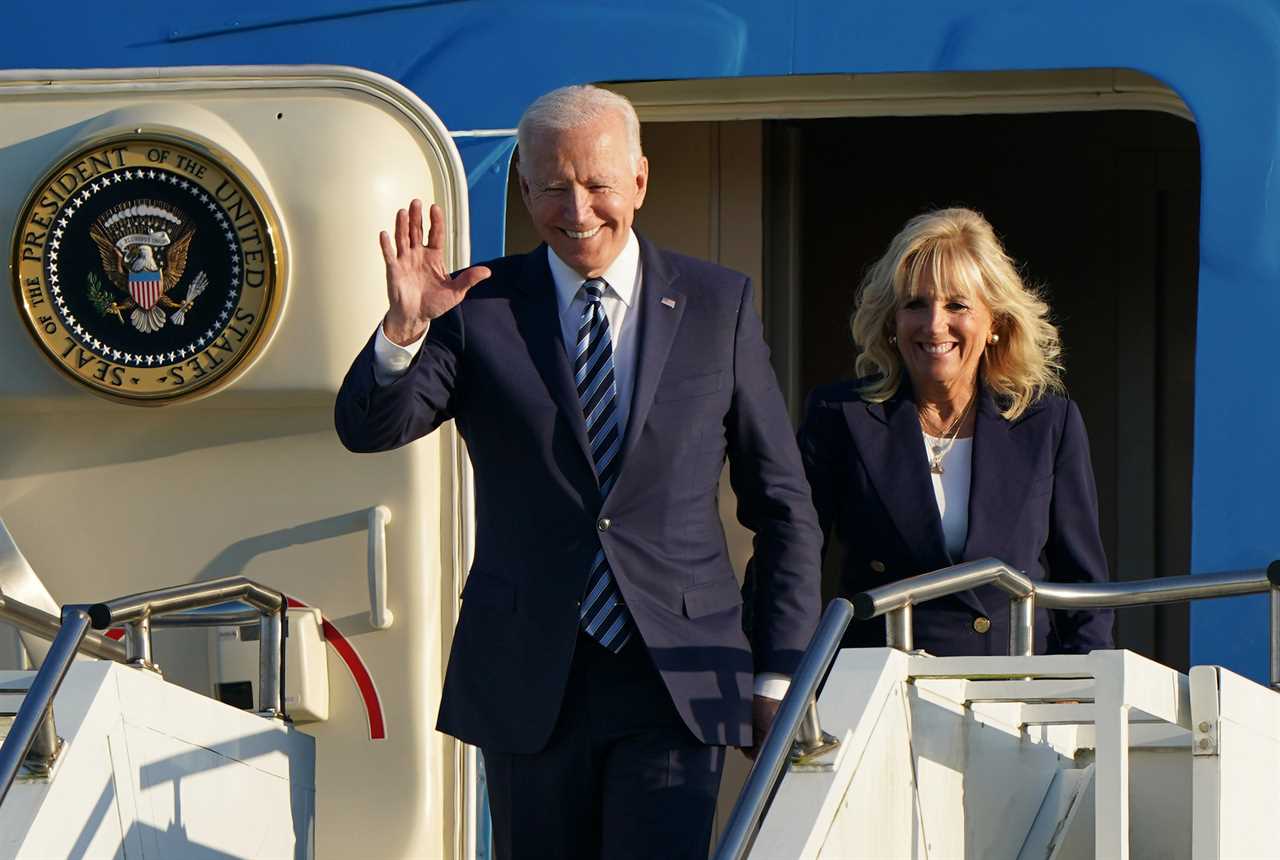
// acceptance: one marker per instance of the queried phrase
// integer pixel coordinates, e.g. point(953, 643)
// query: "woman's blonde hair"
point(956, 249)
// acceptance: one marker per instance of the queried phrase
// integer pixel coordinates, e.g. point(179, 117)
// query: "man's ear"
point(642, 181)
point(524, 183)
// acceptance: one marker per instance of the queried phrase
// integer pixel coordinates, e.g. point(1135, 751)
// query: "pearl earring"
point(995, 338)
point(893, 338)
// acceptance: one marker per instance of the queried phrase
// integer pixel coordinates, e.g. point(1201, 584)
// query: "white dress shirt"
point(624, 278)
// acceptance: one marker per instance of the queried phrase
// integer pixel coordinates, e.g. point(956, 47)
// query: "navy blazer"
point(703, 389)
point(1032, 504)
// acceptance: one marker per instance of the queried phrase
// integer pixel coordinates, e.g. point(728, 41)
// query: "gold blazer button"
point(981, 624)
point(877, 566)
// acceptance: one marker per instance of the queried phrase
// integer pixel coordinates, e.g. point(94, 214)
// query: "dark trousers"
point(622, 776)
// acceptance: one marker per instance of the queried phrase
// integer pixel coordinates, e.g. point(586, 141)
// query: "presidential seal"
point(146, 269)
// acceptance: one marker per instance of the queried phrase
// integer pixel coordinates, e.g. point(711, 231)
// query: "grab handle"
point(379, 615)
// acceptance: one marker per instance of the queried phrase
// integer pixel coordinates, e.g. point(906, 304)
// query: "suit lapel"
point(658, 321)
point(896, 464)
point(538, 317)
point(1000, 477)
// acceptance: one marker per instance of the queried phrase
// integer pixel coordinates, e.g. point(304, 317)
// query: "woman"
point(956, 444)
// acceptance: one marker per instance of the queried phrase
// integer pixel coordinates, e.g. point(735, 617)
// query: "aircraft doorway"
point(1101, 209)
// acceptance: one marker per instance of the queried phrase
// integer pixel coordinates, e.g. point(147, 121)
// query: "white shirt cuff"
point(391, 360)
point(772, 685)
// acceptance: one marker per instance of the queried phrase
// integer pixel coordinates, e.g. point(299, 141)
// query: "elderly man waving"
point(600, 382)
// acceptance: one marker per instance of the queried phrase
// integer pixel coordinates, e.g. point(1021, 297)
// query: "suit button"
point(981, 624)
point(603, 524)
point(877, 566)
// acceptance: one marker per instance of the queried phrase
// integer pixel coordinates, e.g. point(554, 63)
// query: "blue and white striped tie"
point(602, 614)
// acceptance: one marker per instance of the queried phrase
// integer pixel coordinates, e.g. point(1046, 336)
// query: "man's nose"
point(577, 205)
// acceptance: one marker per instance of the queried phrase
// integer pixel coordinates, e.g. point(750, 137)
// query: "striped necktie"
point(602, 613)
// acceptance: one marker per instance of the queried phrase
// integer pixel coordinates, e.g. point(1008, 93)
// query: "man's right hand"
point(419, 288)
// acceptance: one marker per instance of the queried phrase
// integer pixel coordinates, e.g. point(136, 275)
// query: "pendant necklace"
point(941, 447)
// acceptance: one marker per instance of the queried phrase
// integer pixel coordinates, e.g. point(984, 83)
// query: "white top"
point(951, 490)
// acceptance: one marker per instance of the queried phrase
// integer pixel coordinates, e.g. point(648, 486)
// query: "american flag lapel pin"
point(669, 302)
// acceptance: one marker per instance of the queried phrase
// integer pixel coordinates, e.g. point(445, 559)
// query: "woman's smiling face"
point(942, 333)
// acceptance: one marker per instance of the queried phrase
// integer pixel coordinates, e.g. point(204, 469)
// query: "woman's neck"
point(941, 405)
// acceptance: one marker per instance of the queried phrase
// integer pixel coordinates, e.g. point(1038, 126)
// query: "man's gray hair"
point(573, 107)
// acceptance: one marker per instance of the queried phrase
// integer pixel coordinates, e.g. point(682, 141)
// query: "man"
point(599, 661)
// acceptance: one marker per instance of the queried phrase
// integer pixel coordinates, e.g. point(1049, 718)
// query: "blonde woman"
point(956, 443)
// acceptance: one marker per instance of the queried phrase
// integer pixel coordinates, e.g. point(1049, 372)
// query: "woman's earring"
point(893, 338)
point(995, 338)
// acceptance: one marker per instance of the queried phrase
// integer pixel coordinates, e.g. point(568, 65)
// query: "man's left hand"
point(763, 712)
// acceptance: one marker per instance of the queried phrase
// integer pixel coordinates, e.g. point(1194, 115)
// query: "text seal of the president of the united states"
point(147, 269)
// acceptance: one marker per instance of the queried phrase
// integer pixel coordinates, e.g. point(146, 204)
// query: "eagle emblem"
point(143, 247)
point(146, 269)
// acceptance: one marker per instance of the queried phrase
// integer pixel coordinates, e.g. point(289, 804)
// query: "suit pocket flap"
point(487, 591)
point(711, 598)
point(689, 386)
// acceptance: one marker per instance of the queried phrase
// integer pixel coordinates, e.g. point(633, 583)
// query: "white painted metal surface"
point(252, 480)
point(1235, 766)
point(151, 770)
point(1037, 757)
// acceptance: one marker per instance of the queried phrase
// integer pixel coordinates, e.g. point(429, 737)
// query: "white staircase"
point(1107, 755)
point(151, 770)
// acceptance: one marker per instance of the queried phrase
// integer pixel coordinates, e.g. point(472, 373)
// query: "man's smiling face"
point(582, 188)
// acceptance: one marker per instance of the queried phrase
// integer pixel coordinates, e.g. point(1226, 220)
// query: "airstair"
point(151, 770)
point(1104, 755)
point(105, 758)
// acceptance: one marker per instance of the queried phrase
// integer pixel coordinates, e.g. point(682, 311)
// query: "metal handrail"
point(795, 712)
point(35, 716)
point(42, 624)
point(208, 618)
point(33, 725)
point(896, 599)
point(1150, 592)
point(136, 611)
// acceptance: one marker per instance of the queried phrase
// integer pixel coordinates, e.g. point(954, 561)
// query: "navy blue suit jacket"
point(1032, 504)
point(703, 389)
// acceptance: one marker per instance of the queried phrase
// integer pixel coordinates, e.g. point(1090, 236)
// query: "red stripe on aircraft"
point(355, 665)
point(359, 673)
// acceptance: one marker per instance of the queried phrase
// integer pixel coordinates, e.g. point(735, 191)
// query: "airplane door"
point(194, 264)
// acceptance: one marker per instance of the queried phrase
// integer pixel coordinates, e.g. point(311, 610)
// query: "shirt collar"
point(622, 275)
